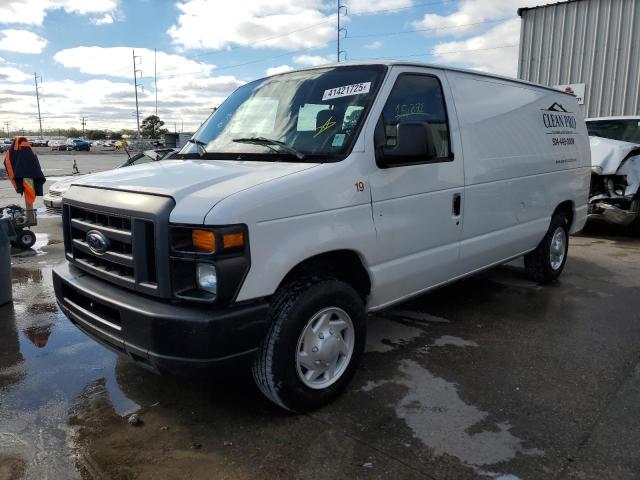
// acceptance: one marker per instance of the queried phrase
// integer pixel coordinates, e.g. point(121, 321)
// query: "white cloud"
point(105, 20)
point(215, 25)
point(478, 52)
point(13, 74)
point(374, 45)
point(471, 12)
point(110, 104)
point(33, 12)
point(372, 6)
point(280, 69)
point(313, 60)
point(21, 41)
point(117, 62)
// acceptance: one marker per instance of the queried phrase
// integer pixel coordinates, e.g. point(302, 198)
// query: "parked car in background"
point(53, 198)
point(80, 145)
point(39, 142)
point(6, 143)
point(58, 145)
point(615, 179)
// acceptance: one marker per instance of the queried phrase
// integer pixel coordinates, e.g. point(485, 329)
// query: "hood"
point(195, 185)
point(609, 154)
point(64, 183)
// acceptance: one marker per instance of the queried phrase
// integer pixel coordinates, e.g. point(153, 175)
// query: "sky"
point(82, 50)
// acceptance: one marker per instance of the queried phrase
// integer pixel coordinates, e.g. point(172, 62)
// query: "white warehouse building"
point(588, 47)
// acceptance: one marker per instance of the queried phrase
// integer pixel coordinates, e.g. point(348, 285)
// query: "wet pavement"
point(492, 377)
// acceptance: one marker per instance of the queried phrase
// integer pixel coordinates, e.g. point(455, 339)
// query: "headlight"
point(207, 277)
point(208, 263)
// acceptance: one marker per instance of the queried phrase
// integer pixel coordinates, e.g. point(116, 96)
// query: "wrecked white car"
point(615, 180)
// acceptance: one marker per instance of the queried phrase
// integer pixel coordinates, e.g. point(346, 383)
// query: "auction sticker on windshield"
point(347, 91)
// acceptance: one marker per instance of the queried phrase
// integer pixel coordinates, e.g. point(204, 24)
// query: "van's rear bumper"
point(161, 336)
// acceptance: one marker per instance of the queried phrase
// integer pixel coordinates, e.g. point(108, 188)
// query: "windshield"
point(623, 129)
point(138, 159)
point(298, 116)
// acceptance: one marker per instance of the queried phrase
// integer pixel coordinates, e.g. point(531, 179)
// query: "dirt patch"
point(12, 467)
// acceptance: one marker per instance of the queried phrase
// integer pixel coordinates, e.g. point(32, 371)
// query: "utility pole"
point(35, 77)
point(6, 124)
point(340, 29)
point(155, 76)
point(84, 123)
point(135, 85)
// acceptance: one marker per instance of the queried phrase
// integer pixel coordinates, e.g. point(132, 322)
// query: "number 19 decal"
point(359, 186)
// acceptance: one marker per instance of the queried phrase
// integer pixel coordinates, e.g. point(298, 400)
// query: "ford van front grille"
point(116, 243)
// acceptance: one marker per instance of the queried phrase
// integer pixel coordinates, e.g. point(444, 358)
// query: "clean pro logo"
point(557, 117)
point(97, 242)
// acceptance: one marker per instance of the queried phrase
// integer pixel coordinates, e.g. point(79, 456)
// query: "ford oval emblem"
point(97, 242)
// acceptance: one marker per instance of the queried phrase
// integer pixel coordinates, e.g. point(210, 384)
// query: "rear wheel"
point(314, 344)
point(546, 262)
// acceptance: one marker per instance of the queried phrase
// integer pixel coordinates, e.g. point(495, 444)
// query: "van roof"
point(391, 63)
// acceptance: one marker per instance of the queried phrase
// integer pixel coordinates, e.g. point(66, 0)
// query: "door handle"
point(457, 204)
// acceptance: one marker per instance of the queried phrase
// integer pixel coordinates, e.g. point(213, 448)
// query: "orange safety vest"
point(28, 185)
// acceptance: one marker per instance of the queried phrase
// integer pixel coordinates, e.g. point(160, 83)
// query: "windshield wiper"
point(267, 142)
point(200, 144)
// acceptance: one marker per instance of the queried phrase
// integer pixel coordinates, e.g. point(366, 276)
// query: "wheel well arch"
point(567, 208)
point(345, 265)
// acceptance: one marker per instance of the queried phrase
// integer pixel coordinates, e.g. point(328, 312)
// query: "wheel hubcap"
point(558, 248)
point(325, 347)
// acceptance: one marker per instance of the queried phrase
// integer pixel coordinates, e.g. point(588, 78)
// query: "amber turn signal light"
point(203, 240)
point(233, 240)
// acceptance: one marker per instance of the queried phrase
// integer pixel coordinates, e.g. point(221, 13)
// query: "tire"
point(546, 262)
point(25, 239)
point(305, 305)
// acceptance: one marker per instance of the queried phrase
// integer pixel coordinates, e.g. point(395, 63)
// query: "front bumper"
point(161, 336)
point(52, 204)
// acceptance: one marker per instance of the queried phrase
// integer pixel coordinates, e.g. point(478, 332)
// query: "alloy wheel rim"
point(558, 248)
point(325, 348)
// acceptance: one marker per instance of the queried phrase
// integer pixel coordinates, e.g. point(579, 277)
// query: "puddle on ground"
point(383, 335)
point(441, 420)
point(448, 340)
point(45, 363)
point(412, 315)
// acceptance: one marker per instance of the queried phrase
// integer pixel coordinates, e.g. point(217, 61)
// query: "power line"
point(250, 62)
point(155, 76)
point(432, 52)
point(35, 77)
point(397, 9)
point(422, 30)
point(135, 85)
point(341, 7)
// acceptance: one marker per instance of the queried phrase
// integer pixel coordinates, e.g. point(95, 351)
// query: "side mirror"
point(414, 144)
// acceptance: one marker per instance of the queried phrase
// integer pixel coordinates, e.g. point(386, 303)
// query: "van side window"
point(418, 98)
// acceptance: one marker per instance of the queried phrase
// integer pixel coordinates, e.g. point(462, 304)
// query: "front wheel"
point(25, 239)
point(314, 344)
point(546, 262)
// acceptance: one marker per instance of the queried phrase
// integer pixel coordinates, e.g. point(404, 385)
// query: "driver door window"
point(418, 99)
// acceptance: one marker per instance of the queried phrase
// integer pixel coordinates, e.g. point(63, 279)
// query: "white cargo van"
point(311, 198)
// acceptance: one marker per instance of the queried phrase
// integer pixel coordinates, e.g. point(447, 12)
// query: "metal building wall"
point(595, 42)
